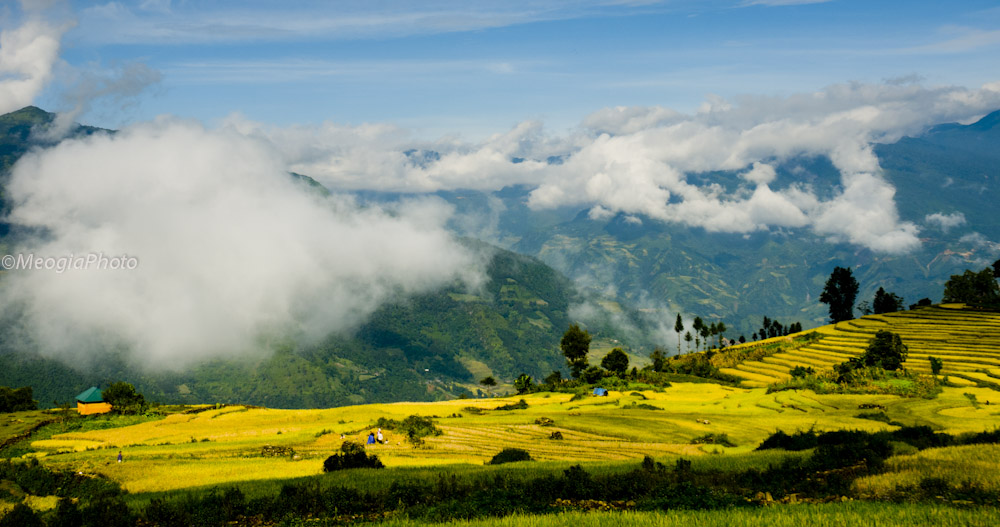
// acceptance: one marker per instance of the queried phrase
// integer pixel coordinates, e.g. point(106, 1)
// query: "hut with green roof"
point(91, 402)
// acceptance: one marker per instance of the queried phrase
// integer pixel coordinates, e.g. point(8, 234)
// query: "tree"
point(687, 338)
point(553, 378)
point(978, 289)
point(839, 293)
point(523, 383)
point(698, 325)
point(575, 345)
point(488, 381)
point(678, 328)
point(886, 350)
point(920, 303)
point(16, 399)
point(936, 365)
point(886, 302)
point(124, 398)
point(592, 374)
point(659, 359)
point(996, 269)
point(720, 329)
point(616, 361)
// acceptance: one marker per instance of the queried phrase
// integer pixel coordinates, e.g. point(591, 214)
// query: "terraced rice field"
point(967, 341)
point(233, 444)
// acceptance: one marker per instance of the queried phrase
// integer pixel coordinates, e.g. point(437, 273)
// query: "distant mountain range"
point(632, 275)
point(740, 278)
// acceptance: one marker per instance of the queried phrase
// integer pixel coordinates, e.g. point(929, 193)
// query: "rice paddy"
point(213, 446)
point(967, 342)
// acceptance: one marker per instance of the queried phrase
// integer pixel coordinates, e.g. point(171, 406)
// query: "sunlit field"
point(967, 342)
point(233, 444)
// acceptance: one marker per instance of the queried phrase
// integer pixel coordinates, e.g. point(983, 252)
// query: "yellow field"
point(226, 444)
point(967, 341)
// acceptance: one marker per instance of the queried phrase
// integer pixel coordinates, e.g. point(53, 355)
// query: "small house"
point(91, 402)
point(601, 392)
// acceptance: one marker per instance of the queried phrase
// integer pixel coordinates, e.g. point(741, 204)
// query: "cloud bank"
point(640, 160)
point(28, 54)
point(231, 251)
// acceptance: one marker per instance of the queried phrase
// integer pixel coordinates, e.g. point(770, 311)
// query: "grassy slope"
point(967, 341)
point(224, 445)
point(853, 513)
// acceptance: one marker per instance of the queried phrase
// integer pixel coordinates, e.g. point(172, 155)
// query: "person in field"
point(379, 437)
point(371, 438)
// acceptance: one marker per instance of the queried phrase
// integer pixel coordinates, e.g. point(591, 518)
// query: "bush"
point(800, 371)
point(16, 399)
point(21, 516)
point(415, 427)
point(125, 399)
point(520, 405)
point(108, 513)
point(352, 455)
point(510, 455)
point(713, 439)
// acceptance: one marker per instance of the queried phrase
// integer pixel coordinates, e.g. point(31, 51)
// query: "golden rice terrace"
point(966, 340)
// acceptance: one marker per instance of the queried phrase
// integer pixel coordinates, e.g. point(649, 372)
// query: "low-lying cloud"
point(231, 250)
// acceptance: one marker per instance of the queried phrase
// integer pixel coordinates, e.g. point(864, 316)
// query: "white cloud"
point(945, 222)
point(28, 54)
point(231, 252)
point(638, 161)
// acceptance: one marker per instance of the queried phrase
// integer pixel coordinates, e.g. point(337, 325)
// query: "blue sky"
point(474, 68)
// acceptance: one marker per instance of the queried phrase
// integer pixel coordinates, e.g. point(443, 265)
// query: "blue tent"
point(601, 392)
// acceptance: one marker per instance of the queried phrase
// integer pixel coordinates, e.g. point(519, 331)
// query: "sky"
point(216, 101)
point(473, 68)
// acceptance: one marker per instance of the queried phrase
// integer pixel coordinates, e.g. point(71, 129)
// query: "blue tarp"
point(601, 391)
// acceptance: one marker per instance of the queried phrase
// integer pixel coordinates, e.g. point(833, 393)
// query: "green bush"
point(352, 455)
point(510, 455)
point(16, 399)
point(21, 516)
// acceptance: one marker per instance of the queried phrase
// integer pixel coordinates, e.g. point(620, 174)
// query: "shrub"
point(592, 375)
point(520, 405)
point(415, 426)
point(936, 365)
point(713, 439)
point(16, 399)
point(510, 455)
point(21, 516)
point(800, 371)
point(108, 513)
point(352, 455)
point(557, 435)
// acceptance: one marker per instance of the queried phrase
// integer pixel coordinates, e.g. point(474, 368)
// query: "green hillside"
point(426, 347)
point(966, 340)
